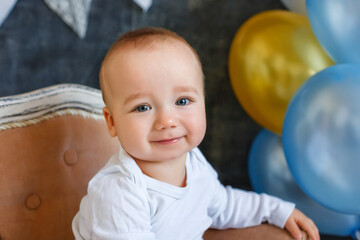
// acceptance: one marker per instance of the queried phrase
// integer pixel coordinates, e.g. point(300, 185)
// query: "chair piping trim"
point(58, 113)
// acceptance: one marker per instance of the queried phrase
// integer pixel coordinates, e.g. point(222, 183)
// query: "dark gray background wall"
point(37, 50)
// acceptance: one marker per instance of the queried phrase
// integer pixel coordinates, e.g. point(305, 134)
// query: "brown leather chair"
point(52, 142)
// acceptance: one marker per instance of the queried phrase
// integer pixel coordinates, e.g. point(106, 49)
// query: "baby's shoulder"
point(199, 162)
point(117, 176)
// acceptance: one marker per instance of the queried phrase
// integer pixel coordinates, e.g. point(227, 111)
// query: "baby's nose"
point(165, 120)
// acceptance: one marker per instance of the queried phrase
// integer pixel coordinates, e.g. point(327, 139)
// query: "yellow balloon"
point(271, 55)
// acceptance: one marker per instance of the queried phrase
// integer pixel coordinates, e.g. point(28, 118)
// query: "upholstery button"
point(70, 157)
point(33, 201)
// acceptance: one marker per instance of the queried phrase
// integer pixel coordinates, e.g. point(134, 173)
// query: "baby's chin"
point(165, 157)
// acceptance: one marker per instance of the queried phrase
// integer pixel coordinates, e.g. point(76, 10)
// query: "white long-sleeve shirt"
point(123, 203)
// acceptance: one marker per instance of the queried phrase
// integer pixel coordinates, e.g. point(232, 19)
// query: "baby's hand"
point(297, 221)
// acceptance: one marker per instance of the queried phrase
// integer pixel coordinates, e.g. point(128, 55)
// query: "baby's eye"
point(182, 101)
point(142, 108)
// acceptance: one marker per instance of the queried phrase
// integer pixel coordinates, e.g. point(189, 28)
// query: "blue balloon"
point(269, 173)
point(336, 24)
point(321, 137)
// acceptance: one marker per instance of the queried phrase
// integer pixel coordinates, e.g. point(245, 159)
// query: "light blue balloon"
point(336, 24)
point(269, 173)
point(321, 137)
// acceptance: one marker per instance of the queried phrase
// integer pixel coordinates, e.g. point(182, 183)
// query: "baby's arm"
point(296, 221)
point(245, 209)
point(239, 209)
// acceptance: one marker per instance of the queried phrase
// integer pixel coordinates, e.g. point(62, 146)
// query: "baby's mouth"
point(168, 141)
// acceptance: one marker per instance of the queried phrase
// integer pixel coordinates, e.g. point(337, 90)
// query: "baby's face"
point(157, 101)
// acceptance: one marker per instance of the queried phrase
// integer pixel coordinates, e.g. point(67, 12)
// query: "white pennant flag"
point(144, 4)
point(74, 13)
point(5, 8)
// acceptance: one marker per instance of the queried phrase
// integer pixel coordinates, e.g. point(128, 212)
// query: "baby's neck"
point(172, 172)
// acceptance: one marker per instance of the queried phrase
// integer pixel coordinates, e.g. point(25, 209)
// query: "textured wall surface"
point(37, 49)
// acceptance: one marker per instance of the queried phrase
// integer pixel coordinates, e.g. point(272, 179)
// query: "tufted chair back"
point(52, 141)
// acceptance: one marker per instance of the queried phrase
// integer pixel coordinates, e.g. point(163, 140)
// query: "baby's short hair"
point(142, 38)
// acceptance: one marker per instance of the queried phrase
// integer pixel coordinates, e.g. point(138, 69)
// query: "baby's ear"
point(109, 121)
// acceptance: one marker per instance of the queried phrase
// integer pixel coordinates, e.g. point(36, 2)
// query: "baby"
point(160, 186)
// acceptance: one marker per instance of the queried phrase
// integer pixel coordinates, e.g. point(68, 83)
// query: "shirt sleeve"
point(114, 208)
point(235, 208)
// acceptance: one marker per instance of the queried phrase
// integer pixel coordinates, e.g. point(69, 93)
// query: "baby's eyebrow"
point(136, 96)
point(186, 89)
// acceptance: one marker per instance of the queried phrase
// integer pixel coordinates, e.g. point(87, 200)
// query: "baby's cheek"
point(129, 140)
point(198, 129)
